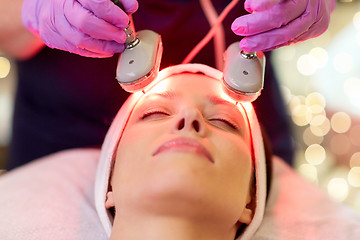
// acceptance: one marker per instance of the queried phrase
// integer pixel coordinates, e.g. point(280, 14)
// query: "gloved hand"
point(91, 28)
point(276, 23)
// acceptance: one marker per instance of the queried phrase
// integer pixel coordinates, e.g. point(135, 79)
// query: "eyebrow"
point(217, 100)
point(167, 94)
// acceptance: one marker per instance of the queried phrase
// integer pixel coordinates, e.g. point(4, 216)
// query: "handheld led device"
point(139, 64)
point(243, 77)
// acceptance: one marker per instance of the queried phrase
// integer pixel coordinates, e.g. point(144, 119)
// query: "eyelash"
point(230, 124)
point(149, 113)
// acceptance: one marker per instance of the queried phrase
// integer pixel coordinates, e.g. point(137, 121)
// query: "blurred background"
point(320, 79)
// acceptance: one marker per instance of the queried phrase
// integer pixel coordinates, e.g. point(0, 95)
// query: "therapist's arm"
point(15, 40)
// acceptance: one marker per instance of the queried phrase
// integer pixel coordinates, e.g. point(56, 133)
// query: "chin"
point(176, 202)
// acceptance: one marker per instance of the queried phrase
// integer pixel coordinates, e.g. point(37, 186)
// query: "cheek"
point(235, 160)
point(137, 140)
point(238, 180)
point(130, 167)
point(128, 156)
point(135, 149)
point(230, 145)
point(235, 164)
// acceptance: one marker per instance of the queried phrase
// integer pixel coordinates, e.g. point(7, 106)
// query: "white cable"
point(219, 38)
point(210, 34)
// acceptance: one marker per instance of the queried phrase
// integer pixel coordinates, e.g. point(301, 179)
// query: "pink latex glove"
point(91, 28)
point(276, 23)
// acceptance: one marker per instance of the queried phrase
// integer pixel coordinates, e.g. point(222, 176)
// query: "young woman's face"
point(185, 151)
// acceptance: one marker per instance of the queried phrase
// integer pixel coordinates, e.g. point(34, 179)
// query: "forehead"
point(189, 84)
point(192, 86)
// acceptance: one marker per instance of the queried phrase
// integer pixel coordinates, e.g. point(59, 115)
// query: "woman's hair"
point(268, 159)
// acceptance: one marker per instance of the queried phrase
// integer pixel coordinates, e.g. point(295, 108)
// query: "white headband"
point(114, 134)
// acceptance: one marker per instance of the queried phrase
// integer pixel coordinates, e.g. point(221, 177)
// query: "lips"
point(184, 145)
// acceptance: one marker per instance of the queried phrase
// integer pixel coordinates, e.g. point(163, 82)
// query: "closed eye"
point(154, 115)
point(223, 123)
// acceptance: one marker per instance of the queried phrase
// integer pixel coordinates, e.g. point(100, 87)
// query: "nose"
point(190, 120)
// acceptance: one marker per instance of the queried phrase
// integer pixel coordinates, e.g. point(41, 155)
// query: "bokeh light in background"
point(306, 64)
point(309, 138)
point(4, 67)
point(315, 154)
point(354, 177)
point(356, 20)
point(320, 81)
point(340, 122)
point(320, 55)
point(355, 160)
point(338, 189)
point(7, 84)
point(309, 171)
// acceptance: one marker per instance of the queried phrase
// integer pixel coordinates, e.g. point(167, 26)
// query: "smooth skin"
point(180, 192)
